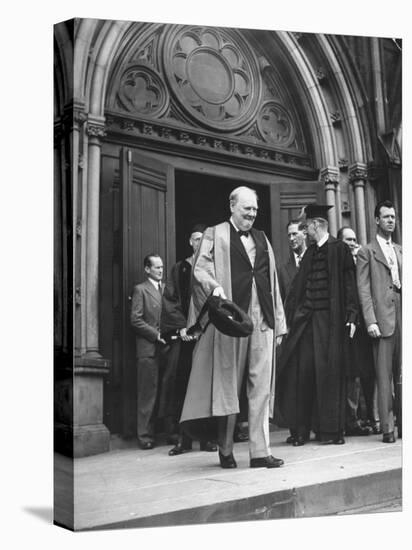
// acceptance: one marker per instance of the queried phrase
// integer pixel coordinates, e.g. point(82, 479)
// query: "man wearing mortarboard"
point(321, 312)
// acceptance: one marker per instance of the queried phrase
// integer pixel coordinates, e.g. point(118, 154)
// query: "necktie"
point(393, 265)
point(160, 289)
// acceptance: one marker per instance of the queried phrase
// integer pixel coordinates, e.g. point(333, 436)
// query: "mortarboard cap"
point(315, 210)
point(198, 228)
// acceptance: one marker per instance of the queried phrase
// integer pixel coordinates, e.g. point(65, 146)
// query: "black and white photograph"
point(225, 232)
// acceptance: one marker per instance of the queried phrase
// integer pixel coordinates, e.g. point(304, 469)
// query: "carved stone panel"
point(142, 91)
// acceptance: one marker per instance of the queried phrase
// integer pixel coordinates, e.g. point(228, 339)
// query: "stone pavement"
point(129, 487)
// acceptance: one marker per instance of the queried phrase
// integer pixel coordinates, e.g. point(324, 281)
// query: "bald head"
point(243, 206)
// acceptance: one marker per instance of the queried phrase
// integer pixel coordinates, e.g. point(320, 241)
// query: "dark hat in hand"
point(229, 318)
point(315, 210)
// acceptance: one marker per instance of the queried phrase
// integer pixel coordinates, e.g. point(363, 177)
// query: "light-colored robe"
point(212, 388)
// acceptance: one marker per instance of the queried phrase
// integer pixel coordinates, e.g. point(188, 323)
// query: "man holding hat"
point(236, 262)
point(321, 311)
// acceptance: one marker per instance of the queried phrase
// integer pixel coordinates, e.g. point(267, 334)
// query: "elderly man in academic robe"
point(321, 311)
point(236, 262)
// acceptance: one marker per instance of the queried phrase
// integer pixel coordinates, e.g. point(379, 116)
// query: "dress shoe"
point(179, 449)
point(358, 430)
point(298, 441)
point(334, 441)
point(388, 438)
point(240, 437)
point(208, 446)
point(290, 439)
point(146, 445)
point(376, 428)
point(266, 462)
point(227, 461)
point(172, 440)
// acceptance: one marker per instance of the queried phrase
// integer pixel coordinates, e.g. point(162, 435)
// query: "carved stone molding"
point(96, 127)
point(329, 175)
point(335, 117)
point(116, 124)
point(320, 74)
point(358, 172)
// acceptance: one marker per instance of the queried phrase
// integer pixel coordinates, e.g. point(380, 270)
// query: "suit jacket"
point(286, 274)
point(375, 286)
point(145, 318)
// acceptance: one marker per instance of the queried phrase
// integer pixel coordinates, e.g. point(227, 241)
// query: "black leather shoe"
point(179, 449)
point(227, 461)
point(335, 441)
point(298, 441)
point(147, 445)
point(208, 446)
point(290, 439)
point(388, 438)
point(266, 462)
point(358, 430)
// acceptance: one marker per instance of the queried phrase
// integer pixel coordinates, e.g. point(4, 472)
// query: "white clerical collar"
point(323, 240)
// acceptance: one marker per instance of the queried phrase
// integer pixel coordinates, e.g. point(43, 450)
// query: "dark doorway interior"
point(201, 198)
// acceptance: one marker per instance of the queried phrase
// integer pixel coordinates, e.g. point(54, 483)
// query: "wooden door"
point(287, 200)
point(147, 226)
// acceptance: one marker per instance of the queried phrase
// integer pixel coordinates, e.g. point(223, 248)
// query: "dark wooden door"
point(287, 200)
point(148, 226)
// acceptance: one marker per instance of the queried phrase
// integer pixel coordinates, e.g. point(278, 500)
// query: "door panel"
point(147, 222)
point(287, 200)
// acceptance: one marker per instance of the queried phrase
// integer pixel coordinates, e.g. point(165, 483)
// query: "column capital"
point(96, 126)
point(329, 175)
point(358, 172)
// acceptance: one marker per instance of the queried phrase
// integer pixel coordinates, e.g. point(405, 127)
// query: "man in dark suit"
point(235, 261)
point(297, 241)
point(360, 373)
point(145, 318)
point(379, 276)
point(176, 298)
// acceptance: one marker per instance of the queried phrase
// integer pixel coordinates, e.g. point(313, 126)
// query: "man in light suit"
point(379, 276)
point(297, 241)
point(235, 261)
point(145, 318)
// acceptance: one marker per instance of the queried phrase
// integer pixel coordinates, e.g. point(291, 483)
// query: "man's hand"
point(373, 331)
point(184, 335)
point(160, 339)
point(279, 339)
point(218, 291)
point(352, 329)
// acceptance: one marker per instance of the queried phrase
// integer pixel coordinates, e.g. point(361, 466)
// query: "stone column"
point(90, 435)
point(358, 174)
point(330, 178)
point(79, 391)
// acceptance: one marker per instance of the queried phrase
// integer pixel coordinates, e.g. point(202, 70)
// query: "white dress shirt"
point(390, 256)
